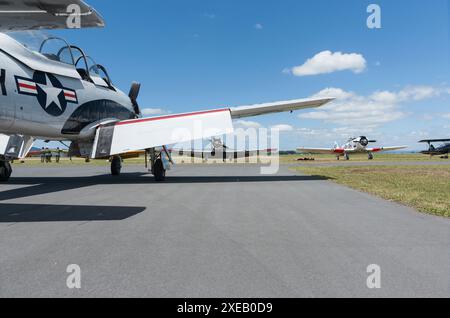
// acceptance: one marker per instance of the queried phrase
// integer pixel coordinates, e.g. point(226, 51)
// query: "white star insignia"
point(52, 93)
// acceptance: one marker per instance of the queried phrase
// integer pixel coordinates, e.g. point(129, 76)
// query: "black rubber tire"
point(347, 157)
point(158, 171)
point(370, 157)
point(116, 166)
point(5, 171)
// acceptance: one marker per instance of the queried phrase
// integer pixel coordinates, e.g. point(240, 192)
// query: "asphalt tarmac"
point(212, 231)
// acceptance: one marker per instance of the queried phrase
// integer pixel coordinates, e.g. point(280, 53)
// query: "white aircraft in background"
point(353, 146)
point(59, 93)
point(220, 151)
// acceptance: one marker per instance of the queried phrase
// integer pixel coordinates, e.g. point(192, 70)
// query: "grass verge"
point(425, 188)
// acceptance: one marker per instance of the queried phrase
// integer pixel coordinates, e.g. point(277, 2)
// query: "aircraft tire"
point(5, 171)
point(370, 156)
point(116, 166)
point(158, 171)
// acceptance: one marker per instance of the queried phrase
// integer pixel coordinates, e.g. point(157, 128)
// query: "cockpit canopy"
point(58, 50)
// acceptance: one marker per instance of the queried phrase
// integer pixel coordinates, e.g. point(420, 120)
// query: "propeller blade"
point(134, 93)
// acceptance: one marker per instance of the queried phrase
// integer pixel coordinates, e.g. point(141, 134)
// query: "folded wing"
point(139, 134)
point(19, 15)
point(277, 107)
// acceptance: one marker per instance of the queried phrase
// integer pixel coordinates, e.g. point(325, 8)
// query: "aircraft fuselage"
point(50, 106)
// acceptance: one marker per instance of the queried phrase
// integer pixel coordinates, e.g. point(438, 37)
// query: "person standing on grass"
point(42, 155)
point(58, 155)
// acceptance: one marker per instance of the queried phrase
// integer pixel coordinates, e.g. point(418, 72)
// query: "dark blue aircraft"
point(442, 150)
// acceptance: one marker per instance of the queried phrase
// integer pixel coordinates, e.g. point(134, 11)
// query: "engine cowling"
point(364, 141)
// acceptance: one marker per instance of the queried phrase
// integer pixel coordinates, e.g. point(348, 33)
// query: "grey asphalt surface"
point(212, 231)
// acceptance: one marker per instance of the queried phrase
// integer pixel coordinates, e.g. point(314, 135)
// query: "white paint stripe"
point(28, 90)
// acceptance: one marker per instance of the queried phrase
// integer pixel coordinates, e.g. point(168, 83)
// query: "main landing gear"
point(116, 165)
point(5, 171)
point(157, 167)
point(370, 156)
point(346, 157)
point(156, 160)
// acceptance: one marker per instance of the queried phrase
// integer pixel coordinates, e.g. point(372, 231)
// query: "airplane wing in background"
point(321, 151)
point(224, 154)
point(19, 15)
point(140, 134)
point(434, 140)
point(386, 149)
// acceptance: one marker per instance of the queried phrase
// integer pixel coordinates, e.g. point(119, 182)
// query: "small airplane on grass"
point(358, 145)
point(220, 151)
point(59, 93)
point(443, 150)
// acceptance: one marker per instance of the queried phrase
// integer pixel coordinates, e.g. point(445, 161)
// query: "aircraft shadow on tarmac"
point(33, 186)
point(39, 186)
point(23, 213)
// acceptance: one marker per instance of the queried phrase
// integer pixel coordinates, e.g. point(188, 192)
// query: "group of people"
point(47, 155)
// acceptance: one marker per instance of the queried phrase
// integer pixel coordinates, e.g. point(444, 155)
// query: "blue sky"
point(202, 54)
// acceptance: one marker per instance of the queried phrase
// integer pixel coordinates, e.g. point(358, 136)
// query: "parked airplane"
point(443, 150)
point(220, 151)
point(60, 93)
point(353, 146)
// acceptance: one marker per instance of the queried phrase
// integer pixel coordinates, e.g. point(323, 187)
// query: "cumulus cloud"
point(328, 62)
point(245, 124)
point(283, 128)
point(148, 112)
point(380, 107)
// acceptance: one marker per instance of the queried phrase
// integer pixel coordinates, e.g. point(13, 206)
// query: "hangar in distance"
point(58, 92)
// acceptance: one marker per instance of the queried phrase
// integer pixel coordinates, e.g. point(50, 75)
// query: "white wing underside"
point(140, 134)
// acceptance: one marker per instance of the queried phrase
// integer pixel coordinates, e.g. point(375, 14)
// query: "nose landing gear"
point(5, 171)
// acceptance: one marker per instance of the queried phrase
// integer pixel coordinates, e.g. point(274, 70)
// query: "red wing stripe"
point(22, 85)
point(135, 121)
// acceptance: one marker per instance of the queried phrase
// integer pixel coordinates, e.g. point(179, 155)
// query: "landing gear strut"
point(5, 171)
point(157, 166)
point(116, 165)
point(347, 157)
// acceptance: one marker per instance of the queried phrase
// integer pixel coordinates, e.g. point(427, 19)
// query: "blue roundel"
point(50, 93)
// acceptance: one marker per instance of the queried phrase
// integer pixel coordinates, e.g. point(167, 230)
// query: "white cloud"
point(244, 124)
point(153, 112)
point(209, 15)
point(368, 112)
point(259, 26)
point(328, 62)
point(283, 128)
point(447, 115)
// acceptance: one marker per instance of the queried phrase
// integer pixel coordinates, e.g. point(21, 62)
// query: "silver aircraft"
point(358, 145)
point(57, 92)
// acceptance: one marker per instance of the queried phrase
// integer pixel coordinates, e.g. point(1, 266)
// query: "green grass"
point(425, 188)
